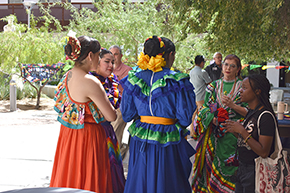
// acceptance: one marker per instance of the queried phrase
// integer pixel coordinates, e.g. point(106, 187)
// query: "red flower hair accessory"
point(75, 46)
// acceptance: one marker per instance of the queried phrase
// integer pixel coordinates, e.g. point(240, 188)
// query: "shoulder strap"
point(278, 145)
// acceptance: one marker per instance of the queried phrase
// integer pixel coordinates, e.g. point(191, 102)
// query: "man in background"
point(120, 70)
point(214, 70)
point(199, 79)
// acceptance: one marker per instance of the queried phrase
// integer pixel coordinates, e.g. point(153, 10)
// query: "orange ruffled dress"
point(81, 159)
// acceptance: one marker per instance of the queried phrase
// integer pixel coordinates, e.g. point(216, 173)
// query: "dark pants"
point(245, 179)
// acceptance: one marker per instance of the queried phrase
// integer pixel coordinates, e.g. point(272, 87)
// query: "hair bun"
point(154, 46)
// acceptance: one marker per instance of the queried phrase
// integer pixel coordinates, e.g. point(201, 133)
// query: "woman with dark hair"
point(110, 83)
point(81, 159)
point(161, 103)
point(253, 143)
point(211, 173)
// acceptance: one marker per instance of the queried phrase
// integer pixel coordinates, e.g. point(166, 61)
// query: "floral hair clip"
point(75, 46)
point(153, 63)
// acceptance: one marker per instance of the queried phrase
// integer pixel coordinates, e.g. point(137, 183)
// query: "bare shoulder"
point(91, 80)
point(92, 85)
point(83, 86)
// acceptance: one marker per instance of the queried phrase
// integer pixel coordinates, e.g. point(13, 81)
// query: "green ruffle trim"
point(157, 136)
point(145, 89)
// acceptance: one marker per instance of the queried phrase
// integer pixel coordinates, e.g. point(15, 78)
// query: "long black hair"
point(261, 83)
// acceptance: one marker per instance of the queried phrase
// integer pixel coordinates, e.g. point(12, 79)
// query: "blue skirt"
point(155, 169)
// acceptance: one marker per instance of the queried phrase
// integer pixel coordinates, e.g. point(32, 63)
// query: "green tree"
point(36, 45)
point(115, 22)
point(129, 24)
point(254, 30)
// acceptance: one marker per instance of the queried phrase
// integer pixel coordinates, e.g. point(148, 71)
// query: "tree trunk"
point(39, 95)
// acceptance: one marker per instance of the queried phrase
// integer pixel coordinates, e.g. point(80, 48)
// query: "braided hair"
point(78, 49)
point(261, 83)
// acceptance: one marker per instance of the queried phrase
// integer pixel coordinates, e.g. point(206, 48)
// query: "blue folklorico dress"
point(161, 105)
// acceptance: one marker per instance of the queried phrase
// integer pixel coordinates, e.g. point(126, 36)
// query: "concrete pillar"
point(13, 95)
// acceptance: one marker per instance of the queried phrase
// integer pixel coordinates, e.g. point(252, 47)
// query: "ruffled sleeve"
point(129, 112)
point(170, 83)
point(185, 104)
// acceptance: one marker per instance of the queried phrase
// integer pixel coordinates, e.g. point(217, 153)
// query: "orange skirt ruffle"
point(81, 159)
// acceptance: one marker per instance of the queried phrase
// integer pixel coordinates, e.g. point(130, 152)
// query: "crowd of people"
point(96, 98)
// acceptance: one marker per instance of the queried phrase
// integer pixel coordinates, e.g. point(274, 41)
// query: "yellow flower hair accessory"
point(154, 64)
point(143, 61)
point(159, 39)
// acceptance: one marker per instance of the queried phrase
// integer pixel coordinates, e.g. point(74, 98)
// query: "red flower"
point(222, 115)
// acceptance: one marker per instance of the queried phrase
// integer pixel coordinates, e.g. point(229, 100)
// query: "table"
point(284, 128)
point(284, 132)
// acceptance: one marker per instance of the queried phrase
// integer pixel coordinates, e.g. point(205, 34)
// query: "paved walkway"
point(28, 141)
point(27, 145)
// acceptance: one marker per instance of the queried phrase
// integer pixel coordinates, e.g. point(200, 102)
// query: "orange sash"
point(157, 120)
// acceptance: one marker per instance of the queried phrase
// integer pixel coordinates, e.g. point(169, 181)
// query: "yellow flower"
point(74, 118)
point(156, 63)
point(69, 107)
point(143, 61)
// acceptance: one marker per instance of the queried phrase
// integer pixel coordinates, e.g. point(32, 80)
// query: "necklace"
point(110, 85)
point(232, 91)
point(221, 92)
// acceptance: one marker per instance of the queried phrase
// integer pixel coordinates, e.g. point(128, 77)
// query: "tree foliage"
point(254, 30)
point(129, 24)
point(36, 45)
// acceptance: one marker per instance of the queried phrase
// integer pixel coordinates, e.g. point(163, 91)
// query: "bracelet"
point(249, 137)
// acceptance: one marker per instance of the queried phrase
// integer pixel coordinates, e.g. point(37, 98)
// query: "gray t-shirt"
point(199, 78)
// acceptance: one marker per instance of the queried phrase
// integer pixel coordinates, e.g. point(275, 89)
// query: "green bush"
point(4, 86)
point(26, 92)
